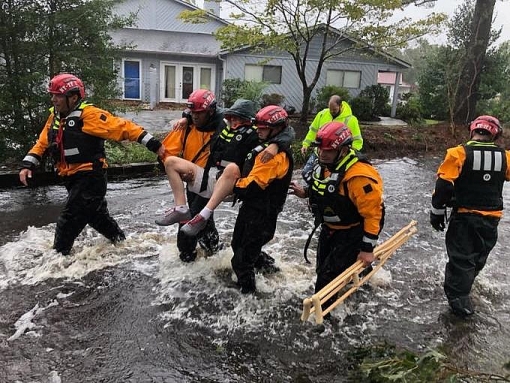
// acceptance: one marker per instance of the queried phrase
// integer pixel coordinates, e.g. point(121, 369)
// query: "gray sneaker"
point(173, 216)
point(195, 226)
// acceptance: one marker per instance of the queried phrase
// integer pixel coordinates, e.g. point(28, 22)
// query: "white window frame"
point(197, 69)
point(255, 72)
point(342, 73)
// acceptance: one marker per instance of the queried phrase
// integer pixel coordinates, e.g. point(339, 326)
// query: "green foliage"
point(327, 91)
point(410, 111)
point(299, 159)
point(237, 88)
point(497, 107)
point(379, 97)
point(362, 108)
point(296, 29)
point(405, 366)
point(122, 153)
point(370, 103)
point(385, 363)
point(437, 81)
point(438, 69)
point(40, 39)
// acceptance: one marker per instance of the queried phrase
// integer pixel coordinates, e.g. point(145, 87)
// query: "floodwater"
point(136, 313)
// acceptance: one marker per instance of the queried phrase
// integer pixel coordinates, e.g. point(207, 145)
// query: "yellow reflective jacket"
point(345, 116)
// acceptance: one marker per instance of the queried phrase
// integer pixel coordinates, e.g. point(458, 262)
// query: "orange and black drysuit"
point(262, 189)
point(216, 145)
point(194, 144)
point(348, 201)
point(234, 145)
point(76, 143)
point(470, 180)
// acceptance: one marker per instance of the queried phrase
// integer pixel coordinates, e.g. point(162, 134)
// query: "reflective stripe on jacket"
point(482, 197)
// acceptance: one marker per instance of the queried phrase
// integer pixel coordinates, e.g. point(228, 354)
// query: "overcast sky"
point(501, 12)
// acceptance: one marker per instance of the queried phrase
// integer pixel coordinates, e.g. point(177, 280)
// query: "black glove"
point(437, 221)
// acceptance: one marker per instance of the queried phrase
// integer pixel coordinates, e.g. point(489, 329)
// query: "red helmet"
point(487, 123)
point(333, 135)
point(66, 84)
point(271, 116)
point(201, 99)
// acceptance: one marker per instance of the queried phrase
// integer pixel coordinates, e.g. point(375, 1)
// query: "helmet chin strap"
point(339, 157)
point(69, 108)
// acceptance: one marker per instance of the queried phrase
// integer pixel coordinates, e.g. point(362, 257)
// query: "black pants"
point(253, 229)
point(208, 236)
point(469, 240)
point(337, 251)
point(86, 204)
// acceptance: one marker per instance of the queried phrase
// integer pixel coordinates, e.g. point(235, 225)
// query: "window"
point(131, 79)
point(205, 78)
point(266, 73)
point(343, 78)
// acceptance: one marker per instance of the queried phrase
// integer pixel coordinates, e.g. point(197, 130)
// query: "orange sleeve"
point(507, 175)
point(173, 143)
point(264, 174)
point(100, 123)
point(42, 142)
point(366, 192)
point(450, 168)
point(197, 146)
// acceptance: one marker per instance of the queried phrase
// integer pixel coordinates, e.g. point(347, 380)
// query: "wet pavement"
point(154, 121)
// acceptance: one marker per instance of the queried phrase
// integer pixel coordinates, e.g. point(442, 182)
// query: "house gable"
point(163, 15)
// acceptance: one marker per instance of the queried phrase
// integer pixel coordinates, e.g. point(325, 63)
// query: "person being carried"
point(262, 188)
point(74, 136)
point(191, 144)
point(339, 111)
point(345, 195)
point(470, 180)
point(228, 145)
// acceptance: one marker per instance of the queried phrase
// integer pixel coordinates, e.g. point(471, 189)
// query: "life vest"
point(480, 183)
point(326, 203)
point(271, 199)
point(230, 146)
point(68, 143)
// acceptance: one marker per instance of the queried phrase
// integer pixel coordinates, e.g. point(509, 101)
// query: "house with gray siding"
point(170, 58)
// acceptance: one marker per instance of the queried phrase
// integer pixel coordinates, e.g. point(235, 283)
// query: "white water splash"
point(25, 323)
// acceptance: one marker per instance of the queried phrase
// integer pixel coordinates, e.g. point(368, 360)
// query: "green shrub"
point(230, 90)
point(410, 111)
point(362, 108)
point(497, 107)
point(324, 94)
point(125, 152)
point(236, 88)
point(379, 97)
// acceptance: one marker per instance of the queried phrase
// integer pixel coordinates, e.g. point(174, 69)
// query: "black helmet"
point(241, 108)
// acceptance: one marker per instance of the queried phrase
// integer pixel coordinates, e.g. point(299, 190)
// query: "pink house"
point(387, 80)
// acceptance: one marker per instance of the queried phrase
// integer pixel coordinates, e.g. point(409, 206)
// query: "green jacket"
point(346, 116)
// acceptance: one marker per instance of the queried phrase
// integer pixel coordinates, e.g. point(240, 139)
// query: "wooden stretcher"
point(382, 253)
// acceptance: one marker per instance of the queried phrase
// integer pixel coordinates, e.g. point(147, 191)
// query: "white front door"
point(179, 80)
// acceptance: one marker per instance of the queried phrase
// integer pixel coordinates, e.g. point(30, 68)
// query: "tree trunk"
point(469, 81)
point(305, 109)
